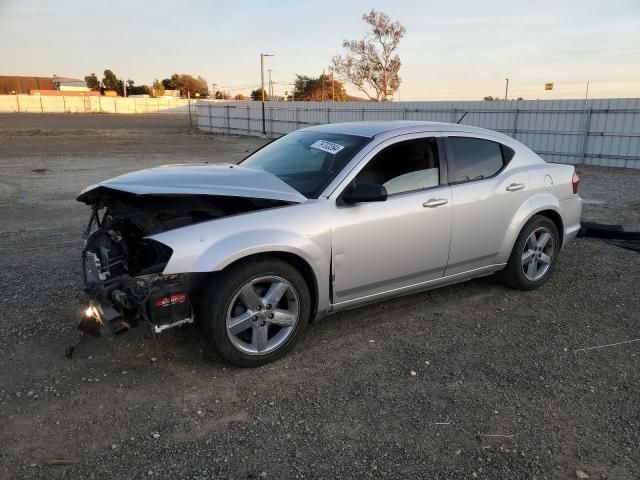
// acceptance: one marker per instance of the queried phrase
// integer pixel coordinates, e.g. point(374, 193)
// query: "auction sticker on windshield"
point(326, 146)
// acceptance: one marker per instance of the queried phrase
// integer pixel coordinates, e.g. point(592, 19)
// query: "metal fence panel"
point(596, 132)
point(97, 104)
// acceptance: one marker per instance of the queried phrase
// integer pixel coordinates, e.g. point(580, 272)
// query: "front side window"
point(473, 159)
point(307, 161)
point(404, 167)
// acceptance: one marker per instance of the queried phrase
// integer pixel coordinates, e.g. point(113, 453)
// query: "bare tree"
point(372, 64)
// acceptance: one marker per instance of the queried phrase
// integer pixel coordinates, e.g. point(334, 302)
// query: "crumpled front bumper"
point(95, 316)
point(118, 304)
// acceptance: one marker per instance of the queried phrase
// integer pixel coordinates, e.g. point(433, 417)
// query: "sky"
point(455, 50)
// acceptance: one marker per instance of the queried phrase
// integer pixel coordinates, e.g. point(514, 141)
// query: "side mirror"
point(364, 192)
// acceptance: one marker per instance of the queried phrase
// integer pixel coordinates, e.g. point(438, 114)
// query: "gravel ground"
point(500, 389)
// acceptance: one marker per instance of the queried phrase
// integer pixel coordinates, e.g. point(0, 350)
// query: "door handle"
point(435, 202)
point(514, 187)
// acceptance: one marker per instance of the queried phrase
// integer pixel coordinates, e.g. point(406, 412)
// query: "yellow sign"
point(548, 86)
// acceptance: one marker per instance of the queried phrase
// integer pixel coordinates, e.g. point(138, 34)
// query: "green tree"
point(110, 81)
point(157, 88)
point(303, 87)
point(372, 64)
point(187, 84)
point(92, 82)
point(318, 89)
point(169, 83)
point(133, 89)
point(489, 98)
point(257, 94)
point(221, 95)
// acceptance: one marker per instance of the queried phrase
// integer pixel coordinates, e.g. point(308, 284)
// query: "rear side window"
point(475, 158)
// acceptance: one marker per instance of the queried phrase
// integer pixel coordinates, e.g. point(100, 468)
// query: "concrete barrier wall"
point(597, 132)
point(46, 104)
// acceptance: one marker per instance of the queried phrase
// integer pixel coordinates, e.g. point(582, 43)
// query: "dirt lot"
point(500, 390)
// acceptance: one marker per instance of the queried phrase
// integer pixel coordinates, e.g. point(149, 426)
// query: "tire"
point(261, 332)
point(530, 268)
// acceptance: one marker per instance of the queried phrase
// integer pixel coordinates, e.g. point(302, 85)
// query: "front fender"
point(303, 230)
point(229, 249)
point(533, 205)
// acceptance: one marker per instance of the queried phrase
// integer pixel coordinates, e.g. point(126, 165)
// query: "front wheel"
point(534, 255)
point(254, 312)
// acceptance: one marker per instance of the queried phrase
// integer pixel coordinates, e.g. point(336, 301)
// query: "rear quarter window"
point(476, 158)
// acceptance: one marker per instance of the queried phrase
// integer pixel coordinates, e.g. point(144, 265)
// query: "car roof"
point(374, 128)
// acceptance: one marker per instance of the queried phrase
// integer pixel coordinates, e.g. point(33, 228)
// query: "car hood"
point(199, 179)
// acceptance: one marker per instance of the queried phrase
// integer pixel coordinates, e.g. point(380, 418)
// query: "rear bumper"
point(571, 211)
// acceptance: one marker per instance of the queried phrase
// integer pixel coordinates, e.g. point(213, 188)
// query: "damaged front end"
point(123, 268)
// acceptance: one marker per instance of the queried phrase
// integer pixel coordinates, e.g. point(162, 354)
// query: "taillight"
point(575, 181)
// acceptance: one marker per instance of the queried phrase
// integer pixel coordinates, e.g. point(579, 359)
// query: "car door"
point(486, 196)
point(384, 246)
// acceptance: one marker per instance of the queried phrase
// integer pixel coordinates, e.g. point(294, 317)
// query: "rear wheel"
point(533, 256)
point(256, 311)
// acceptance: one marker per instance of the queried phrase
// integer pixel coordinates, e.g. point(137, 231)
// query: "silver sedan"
point(321, 220)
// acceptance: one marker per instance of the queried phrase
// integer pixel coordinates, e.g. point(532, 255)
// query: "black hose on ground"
point(613, 234)
point(628, 244)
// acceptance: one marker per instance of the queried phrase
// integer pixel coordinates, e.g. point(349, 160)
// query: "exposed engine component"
point(122, 268)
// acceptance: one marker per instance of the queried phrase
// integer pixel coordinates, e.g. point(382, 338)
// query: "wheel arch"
point(546, 205)
point(556, 218)
point(297, 262)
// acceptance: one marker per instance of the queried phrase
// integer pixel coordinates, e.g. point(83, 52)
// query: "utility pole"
point(586, 97)
point(262, 55)
point(189, 105)
point(270, 86)
point(506, 90)
point(333, 87)
point(586, 94)
point(213, 90)
point(323, 79)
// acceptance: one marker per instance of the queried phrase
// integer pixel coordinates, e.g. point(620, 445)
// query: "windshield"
point(307, 161)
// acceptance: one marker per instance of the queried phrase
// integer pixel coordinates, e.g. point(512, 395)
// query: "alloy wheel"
point(262, 315)
point(537, 254)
